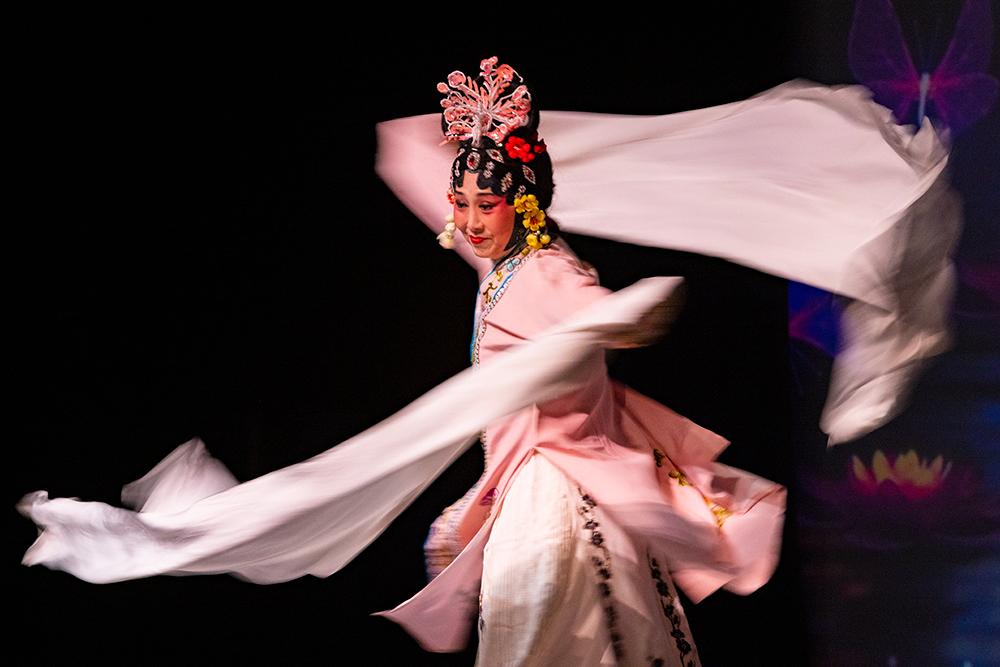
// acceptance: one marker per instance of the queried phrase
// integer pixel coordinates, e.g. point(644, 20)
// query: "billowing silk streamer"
point(807, 182)
point(316, 516)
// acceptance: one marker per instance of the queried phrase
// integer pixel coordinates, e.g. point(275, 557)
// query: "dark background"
point(204, 249)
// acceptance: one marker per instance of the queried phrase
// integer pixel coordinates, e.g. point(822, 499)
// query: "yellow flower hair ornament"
point(534, 220)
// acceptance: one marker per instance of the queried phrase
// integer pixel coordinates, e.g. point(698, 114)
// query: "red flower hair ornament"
point(524, 150)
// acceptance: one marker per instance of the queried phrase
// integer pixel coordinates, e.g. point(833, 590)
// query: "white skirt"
point(556, 591)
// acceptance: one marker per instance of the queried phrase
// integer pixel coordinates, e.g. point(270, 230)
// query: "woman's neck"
point(520, 250)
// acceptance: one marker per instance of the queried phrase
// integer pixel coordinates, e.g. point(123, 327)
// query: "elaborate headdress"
point(495, 122)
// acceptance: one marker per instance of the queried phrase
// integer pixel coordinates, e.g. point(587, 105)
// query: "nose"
point(474, 221)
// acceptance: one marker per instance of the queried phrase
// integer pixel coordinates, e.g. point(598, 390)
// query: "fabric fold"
point(807, 182)
point(314, 517)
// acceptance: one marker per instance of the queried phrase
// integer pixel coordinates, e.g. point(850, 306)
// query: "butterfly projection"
point(955, 94)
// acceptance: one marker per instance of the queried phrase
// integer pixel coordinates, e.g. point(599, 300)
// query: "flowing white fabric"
point(316, 516)
point(807, 182)
point(540, 602)
point(802, 181)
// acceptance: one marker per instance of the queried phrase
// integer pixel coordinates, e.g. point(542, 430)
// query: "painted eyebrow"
point(480, 193)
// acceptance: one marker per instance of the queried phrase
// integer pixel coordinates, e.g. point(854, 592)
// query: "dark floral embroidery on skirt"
point(602, 566)
point(670, 611)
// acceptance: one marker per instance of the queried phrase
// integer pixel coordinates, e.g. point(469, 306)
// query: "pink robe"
point(649, 470)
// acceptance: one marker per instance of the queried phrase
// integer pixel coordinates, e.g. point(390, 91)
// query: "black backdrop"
point(205, 250)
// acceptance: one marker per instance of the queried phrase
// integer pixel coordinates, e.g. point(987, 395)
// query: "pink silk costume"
point(808, 182)
point(650, 472)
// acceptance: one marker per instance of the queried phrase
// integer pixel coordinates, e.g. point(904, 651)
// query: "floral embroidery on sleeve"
point(720, 512)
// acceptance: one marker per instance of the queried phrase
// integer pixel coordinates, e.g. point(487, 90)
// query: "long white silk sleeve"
point(314, 517)
point(808, 182)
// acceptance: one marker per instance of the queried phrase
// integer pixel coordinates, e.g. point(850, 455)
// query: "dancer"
point(582, 491)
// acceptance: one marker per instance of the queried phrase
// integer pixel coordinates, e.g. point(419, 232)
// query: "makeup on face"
point(485, 219)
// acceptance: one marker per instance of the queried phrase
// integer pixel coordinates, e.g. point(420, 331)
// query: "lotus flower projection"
point(896, 501)
point(909, 475)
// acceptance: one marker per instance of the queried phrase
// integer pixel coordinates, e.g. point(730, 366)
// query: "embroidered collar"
point(490, 290)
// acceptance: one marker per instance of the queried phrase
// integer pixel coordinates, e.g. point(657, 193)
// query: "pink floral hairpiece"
point(474, 108)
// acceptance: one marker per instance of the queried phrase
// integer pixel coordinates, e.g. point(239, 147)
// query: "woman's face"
point(485, 219)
